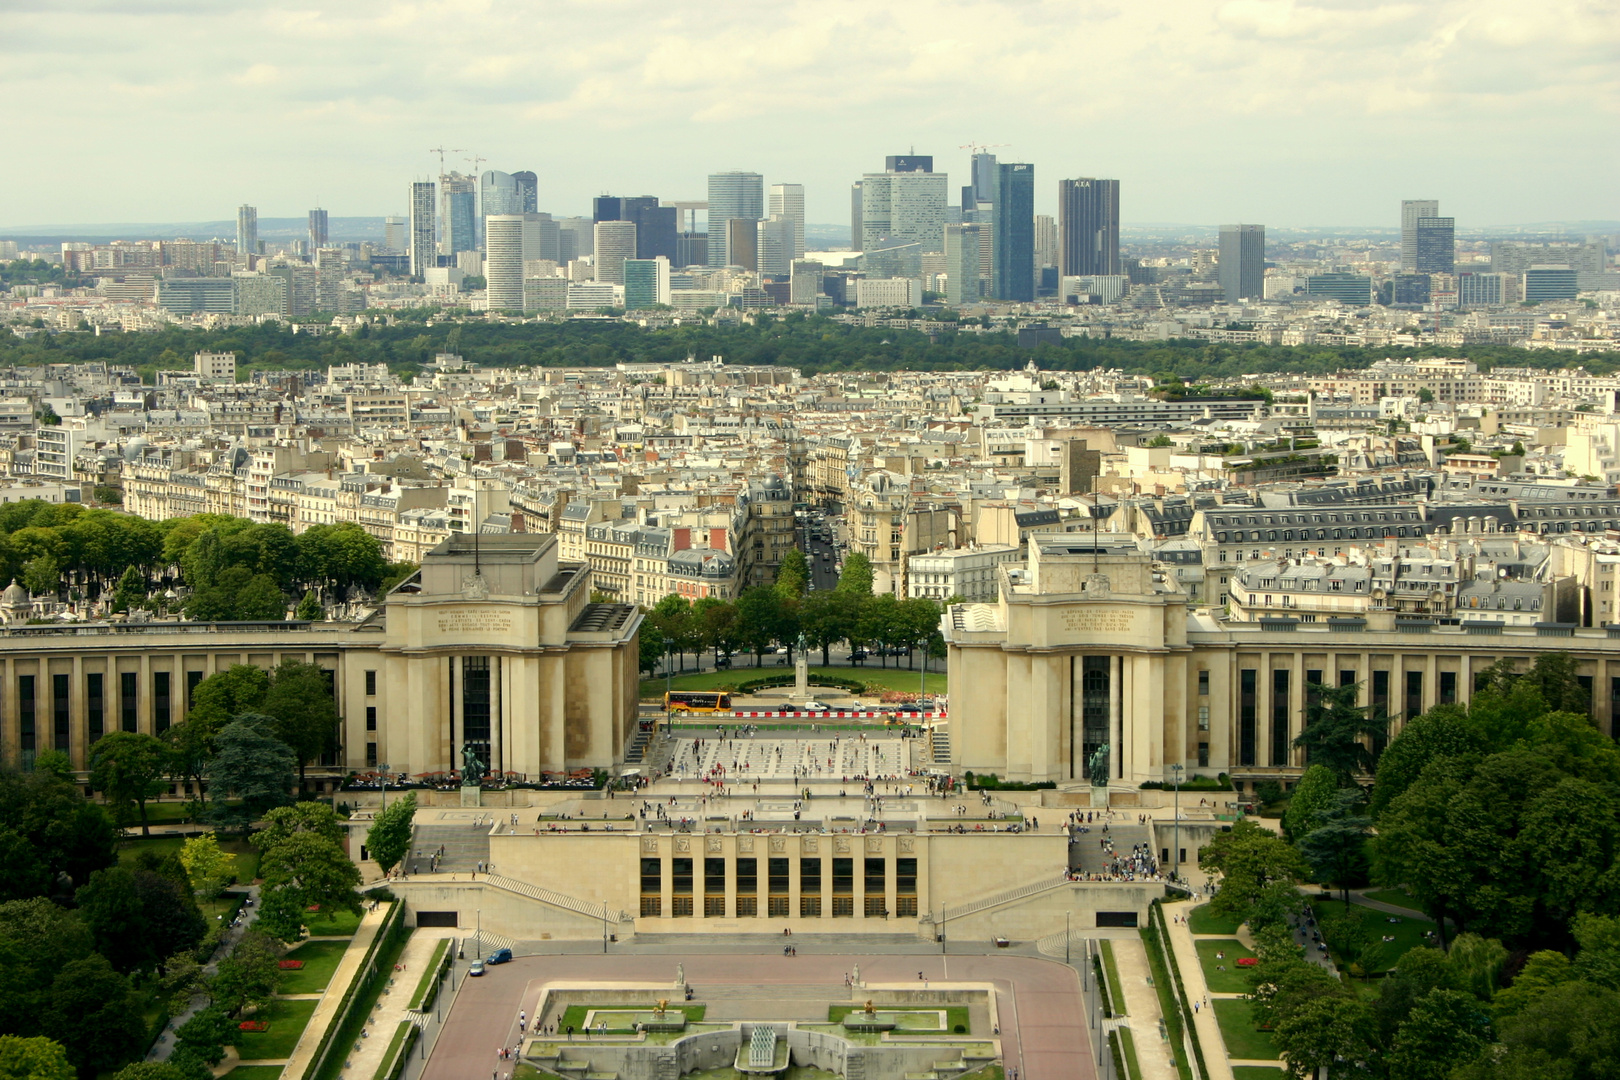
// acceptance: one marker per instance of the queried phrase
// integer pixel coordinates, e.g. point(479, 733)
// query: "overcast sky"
point(1325, 112)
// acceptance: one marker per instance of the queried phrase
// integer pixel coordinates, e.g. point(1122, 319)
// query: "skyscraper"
point(742, 242)
point(1436, 245)
point(855, 209)
point(1242, 266)
point(424, 250)
point(655, 224)
point(394, 235)
point(498, 194)
point(646, 282)
point(503, 261)
point(903, 207)
point(776, 237)
point(528, 186)
point(247, 230)
point(317, 230)
point(459, 197)
point(615, 242)
point(1411, 210)
point(962, 264)
point(732, 196)
point(908, 163)
point(1088, 226)
point(1013, 204)
point(787, 201)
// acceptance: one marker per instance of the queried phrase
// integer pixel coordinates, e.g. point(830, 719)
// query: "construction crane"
point(441, 151)
point(476, 161)
point(980, 147)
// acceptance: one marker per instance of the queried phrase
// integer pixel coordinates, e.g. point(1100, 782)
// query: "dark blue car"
point(499, 956)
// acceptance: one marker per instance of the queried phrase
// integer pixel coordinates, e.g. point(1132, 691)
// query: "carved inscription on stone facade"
point(473, 621)
point(1086, 621)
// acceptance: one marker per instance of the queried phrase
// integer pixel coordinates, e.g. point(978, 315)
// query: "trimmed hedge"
point(992, 782)
point(427, 987)
point(1193, 783)
point(770, 681)
point(398, 1052)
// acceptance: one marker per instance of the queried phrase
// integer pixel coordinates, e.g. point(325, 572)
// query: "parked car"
point(813, 706)
point(722, 662)
point(477, 968)
point(499, 956)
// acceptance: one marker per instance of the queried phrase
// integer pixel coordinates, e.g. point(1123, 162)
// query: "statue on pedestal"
point(680, 974)
point(472, 769)
point(1097, 767)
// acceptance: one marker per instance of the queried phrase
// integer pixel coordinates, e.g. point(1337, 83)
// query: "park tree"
point(128, 767)
point(260, 600)
point(1444, 731)
point(249, 975)
point(389, 838)
point(793, 576)
point(131, 591)
point(250, 765)
point(310, 608)
point(718, 621)
point(42, 576)
point(1336, 849)
point(759, 620)
point(1259, 872)
point(1335, 727)
point(1324, 1036)
point(856, 577)
point(67, 833)
point(1446, 1029)
point(303, 865)
point(157, 1070)
point(138, 917)
point(208, 868)
point(300, 698)
point(1313, 794)
point(34, 1058)
point(89, 1013)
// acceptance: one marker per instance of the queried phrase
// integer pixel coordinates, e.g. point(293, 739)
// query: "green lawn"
point(901, 678)
point(320, 960)
point(287, 1020)
point(1243, 1039)
point(246, 866)
point(954, 1015)
point(253, 1072)
point(1395, 897)
point(1116, 989)
point(1408, 933)
point(430, 973)
point(575, 1015)
point(385, 1066)
point(1233, 980)
point(343, 924)
point(1256, 1072)
point(1200, 921)
point(1127, 1047)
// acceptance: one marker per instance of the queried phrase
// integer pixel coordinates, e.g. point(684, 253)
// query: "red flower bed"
point(291, 965)
point(1247, 961)
point(254, 1025)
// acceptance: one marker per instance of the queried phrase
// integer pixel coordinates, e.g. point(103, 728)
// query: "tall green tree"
point(389, 838)
point(1335, 727)
point(1259, 873)
point(35, 1058)
point(793, 576)
point(301, 700)
point(250, 765)
point(129, 767)
point(1336, 849)
point(1314, 793)
point(856, 576)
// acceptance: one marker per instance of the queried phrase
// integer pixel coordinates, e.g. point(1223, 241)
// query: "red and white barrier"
point(833, 714)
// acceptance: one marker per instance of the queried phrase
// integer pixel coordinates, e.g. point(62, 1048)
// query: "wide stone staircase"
point(940, 743)
point(1086, 852)
point(465, 847)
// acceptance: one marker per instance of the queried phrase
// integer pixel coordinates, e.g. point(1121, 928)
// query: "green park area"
point(320, 960)
point(338, 924)
point(1243, 1039)
point(287, 1020)
point(1394, 898)
point(901, 679)
point(1256, 1072)
point(1203, 921)
point(1356, 935)
point(1219, 959)
point(253, 1072)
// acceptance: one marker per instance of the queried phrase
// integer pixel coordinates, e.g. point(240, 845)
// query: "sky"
point(1288, 112)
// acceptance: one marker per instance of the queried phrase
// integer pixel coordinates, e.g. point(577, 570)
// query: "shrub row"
point(992, 782)
point(346, 1023)
point(1192, 783)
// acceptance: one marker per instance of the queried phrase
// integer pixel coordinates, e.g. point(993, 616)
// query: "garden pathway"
point(391, 1006)
point(1142, 1009)
point(326, 1009)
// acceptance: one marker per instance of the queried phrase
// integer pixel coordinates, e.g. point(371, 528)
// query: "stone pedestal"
point(472, 795)
point(801, 677)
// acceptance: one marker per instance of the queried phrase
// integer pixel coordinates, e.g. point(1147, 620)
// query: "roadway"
point(1043, 1022)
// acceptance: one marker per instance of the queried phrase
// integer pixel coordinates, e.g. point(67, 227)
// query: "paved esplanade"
point(1043, 1024)
point(741, 759)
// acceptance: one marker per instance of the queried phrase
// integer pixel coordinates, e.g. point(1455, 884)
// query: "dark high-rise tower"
point(1242, 268)
point(655, 225)
point(1436, 245)
point(908, 163)
point(1012, 274)
point(1088, 226)
point(528, 186)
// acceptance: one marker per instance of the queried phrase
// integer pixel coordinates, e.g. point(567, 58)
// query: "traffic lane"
point(1038, 1001)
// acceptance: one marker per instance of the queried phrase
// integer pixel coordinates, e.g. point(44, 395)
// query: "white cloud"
point(1291, 111)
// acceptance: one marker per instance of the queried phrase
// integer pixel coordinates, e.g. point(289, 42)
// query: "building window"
point(371, 718)
point(810, 888)
point(95, 704)
point(843, 885)
point(1279, 716)
point(1414, 693)
point(160, 701)
point(371, 684)
point(1380, 706)
point(1203, 755)
point(1203, 718)
point(25, 710)
point(681, 885)
point(128, 687)
point(876, 886)
point(1203, 682)
point(192, 679)
point(1248, 706)
point(1095, 703)
point(747, 887)
point(476, 706)
point(1448, 687)
point(59, 712)
point(371, 755)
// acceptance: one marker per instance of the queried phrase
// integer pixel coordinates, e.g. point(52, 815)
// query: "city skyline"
point(1311, 111)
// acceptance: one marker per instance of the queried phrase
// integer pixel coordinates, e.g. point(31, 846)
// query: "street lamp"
point(604, 927)
point(1175, 852)
point(669, 674)
point(479, 947)
point(384, 768)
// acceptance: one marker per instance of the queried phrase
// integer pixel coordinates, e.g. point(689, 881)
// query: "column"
point(1296, 708)
point(12, 737)
point(1116, 720)
point(794, 892)
point(143, 696)
point(666, 879)
point(730, 856)
point(554, 716)
point(890, 892)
